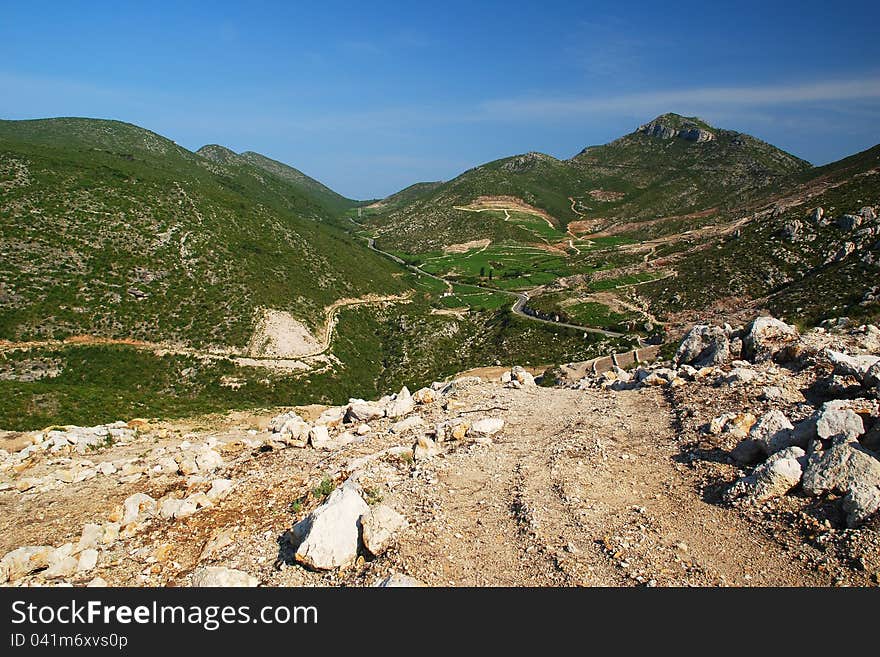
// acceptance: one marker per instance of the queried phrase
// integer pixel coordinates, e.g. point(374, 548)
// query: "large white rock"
point(332, 417)
point(402, 404)
point(277, 423)
point(137, 507)
point(208, 460)
point(834, 422)
point(425, 448)
point(487, 426)
point(772, 432)
point(62, 563)
point(220, 488)
point(362, 411)
point(172, 507)
point(519, 375)
point(857, 366)
point(331, 531)
point(773, 478)
point(379, 527)
point(213, 576)
point(849, 469)
point(23, 561)
point(703, 345)
point(91, 536)
point(291, 429)
point(88, 559)
point(426, 396)
point(319, 436)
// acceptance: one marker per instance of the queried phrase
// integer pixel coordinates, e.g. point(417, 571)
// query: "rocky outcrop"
point(379, 528)
point(858, 366)
point(401, 405)
point(688, 131)
point(517, 377)
point(846, 468)
point(24, 560)
point(330, 533)
point(703, 345)
point(765, 337)
point(772, 432)
point(775, 477)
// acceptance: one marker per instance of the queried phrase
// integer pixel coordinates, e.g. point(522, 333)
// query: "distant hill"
point(412, 193)
point(113, 230)
point(310, 188)
point(670, 166)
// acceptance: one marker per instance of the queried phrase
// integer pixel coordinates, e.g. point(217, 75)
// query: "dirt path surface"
point(580, 488)
point(587, 492)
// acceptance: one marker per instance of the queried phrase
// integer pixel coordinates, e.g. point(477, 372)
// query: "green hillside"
point(800, 266)
point(295, 180)
point(112, 230)
point(671, 166)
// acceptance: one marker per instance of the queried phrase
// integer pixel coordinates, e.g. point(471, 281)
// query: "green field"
point(468, 296)
point(505, 266)
point(585, 313)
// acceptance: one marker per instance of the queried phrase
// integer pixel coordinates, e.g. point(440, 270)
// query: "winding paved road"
point(518, 306)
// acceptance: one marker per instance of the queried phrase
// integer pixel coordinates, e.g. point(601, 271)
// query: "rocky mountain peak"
point(525, 162)
point(672, 126)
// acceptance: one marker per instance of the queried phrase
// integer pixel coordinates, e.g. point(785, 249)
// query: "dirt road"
point(580, 488)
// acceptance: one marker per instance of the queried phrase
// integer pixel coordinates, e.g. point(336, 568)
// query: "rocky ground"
point(747, 460)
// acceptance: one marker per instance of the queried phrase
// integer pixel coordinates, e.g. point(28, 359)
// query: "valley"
point(652, 364)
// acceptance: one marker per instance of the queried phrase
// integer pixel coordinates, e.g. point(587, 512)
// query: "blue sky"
point(370, 97)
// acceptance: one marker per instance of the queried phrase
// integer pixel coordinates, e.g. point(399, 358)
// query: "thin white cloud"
point(707, 97)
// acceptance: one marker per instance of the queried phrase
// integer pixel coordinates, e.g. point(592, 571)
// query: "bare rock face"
point(137, 507)
point(517, 377)
point(703, 346)
point(838, 422)
point(319, 436)
point(62, 563)
point(330, 533)
point(662, 130)
point(290, 429)
point(765, 337)
point(213, 576)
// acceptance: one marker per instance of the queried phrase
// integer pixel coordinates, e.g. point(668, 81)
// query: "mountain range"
point(126, 257)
